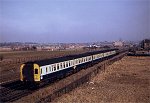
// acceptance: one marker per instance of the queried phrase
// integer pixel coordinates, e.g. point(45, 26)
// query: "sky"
point(65, 21)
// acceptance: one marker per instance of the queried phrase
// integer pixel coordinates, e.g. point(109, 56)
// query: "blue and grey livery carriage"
point(41, 70)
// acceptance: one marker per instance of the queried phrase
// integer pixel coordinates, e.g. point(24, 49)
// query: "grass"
point(22, 54)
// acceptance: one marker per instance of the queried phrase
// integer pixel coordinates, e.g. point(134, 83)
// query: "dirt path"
point(127, 80)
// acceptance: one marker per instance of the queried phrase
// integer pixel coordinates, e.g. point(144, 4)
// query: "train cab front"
point(30, 73)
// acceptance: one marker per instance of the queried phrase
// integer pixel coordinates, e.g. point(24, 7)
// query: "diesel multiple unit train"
point(38, 71)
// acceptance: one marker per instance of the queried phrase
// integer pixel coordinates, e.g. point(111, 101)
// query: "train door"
point(36, 72)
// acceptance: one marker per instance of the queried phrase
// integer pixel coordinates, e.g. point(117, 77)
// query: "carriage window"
point(66, 64)
point(36, 71)
point(69, 63)
point(72, 62)
point(46, 69)
point(49, 68)
point(41, 70)
point(60, 65)
point(54, 67)
point(87, 58)
point(77, 61)
point(57, 66)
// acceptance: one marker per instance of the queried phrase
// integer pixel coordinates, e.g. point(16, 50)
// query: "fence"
point(85, 78)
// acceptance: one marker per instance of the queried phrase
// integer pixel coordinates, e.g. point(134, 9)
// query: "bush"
point(1, 57)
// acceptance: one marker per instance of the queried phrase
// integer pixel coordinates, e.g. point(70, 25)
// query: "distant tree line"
point(95, 48)
point(26, 48)
point(29, 48)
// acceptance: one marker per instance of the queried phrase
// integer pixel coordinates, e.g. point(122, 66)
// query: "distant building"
point(145, 44)
point(118, 43)
point(5, 49)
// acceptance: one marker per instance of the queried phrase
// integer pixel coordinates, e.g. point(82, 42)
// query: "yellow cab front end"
point(30, 72)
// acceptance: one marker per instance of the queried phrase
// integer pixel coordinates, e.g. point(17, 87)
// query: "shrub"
point(1, 57)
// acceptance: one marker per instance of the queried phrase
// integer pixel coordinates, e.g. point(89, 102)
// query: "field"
point(12, 57)
point(127, 80)
point(9, 66)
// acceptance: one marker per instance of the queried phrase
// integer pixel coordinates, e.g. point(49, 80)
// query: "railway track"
point(11, 67)
point(15, 90)
point(12, 91)
point(14, 95)
point(10, 87)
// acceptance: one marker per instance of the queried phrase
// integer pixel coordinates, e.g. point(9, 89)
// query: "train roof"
point(65, 58)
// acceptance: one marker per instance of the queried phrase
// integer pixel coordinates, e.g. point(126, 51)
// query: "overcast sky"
point(74, 20)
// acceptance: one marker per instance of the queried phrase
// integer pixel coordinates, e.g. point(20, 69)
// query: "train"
point(39, 71)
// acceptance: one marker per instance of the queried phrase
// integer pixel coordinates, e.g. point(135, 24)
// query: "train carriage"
point(41, 70)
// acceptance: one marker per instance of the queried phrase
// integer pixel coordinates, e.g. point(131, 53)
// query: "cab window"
point(36, 71)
